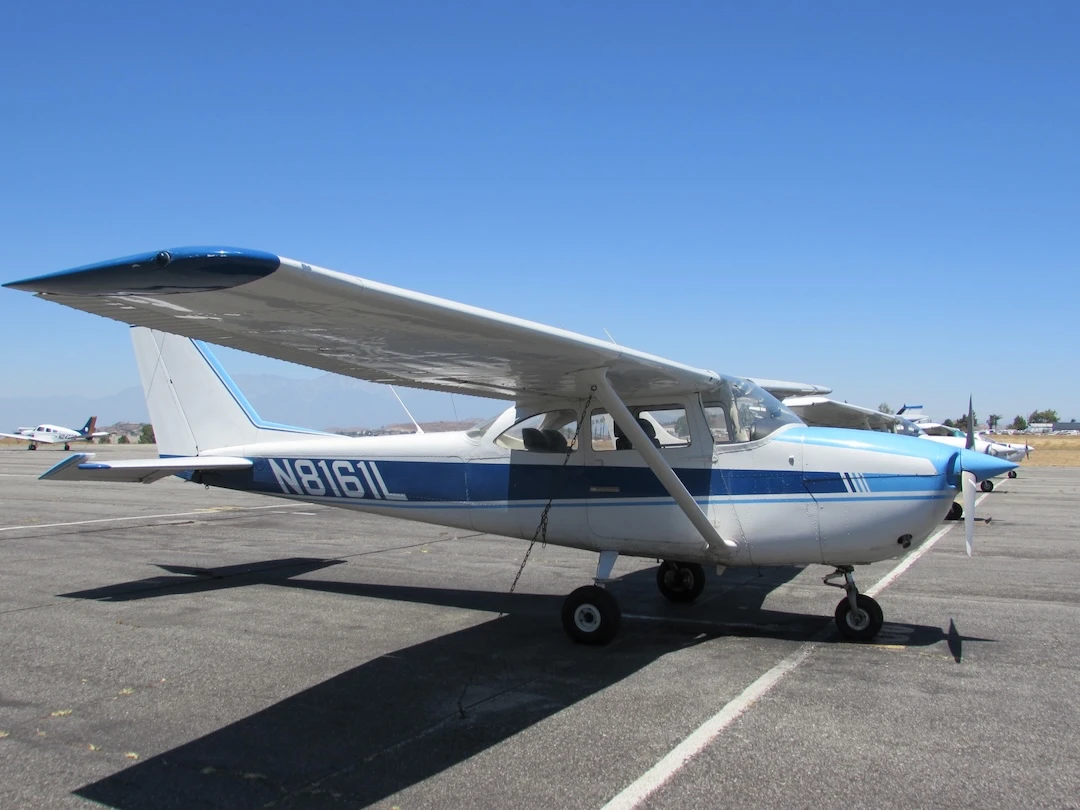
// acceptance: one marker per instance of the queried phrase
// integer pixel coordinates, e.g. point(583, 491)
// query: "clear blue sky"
point(881, 197)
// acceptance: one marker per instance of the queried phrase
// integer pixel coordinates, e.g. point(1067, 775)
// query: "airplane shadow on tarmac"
point(399, 719)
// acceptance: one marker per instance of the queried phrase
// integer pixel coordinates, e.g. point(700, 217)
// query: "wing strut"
point(657, 463)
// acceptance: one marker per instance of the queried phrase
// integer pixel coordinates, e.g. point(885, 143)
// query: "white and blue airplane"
point(54, 434)
point(604, 448)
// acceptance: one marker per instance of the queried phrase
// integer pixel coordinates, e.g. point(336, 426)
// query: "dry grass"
point(1047, 451)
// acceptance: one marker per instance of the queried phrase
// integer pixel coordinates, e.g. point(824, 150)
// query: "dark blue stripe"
point(457, 482)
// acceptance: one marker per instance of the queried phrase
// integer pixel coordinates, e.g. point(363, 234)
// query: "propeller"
point(970, 468)
point(969, 487)
point(969, 443)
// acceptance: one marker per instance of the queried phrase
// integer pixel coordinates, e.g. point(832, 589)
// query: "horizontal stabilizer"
point(81, 467)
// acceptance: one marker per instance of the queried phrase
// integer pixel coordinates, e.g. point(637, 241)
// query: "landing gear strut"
point(680, 581)
point(590, 615)
point(858, 616)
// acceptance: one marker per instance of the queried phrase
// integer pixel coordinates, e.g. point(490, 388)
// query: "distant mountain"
point(319, 403)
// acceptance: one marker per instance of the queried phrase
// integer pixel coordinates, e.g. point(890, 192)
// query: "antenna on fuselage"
point(609, 337)
point(402, 404)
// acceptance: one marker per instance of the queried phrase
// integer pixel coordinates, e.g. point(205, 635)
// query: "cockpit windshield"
point(741, 411)
point(905, 427)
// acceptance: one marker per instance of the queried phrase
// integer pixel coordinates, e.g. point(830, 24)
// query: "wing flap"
point(81, 467)
point(323, 319)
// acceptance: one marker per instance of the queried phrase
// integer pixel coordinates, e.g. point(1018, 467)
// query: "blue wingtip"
point(184, 269)
point(70, 461)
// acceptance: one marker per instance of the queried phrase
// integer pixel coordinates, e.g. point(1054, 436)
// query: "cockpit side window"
point(551, 432)
point(665, 425)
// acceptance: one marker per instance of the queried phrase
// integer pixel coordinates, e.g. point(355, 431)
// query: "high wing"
point(825, 412)
point(281, 308)
point(81, 467)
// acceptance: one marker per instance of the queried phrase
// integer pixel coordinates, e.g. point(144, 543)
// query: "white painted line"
point(645, 785)
point(708, 731)
point(207, 511)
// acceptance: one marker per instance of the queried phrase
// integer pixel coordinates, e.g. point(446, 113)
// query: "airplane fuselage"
point(800, 495)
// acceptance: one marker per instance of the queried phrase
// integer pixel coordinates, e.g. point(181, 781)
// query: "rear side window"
point(551, 432)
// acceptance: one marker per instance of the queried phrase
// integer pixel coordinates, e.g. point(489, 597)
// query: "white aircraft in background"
point(604, 448)
point(958, 438)
point(54, 434)
point(824, 412)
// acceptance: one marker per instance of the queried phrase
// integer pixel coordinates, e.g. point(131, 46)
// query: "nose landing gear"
point(858, 616)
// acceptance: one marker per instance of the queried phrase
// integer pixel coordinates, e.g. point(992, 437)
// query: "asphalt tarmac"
point(166, 645)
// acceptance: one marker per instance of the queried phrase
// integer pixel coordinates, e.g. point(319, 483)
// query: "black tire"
point(956, 511)
point(865, 625)
point(590, 615)
point(1012, 473)
point(67, 446)
point(680, 581)
point(32, 447)
point(987, 485)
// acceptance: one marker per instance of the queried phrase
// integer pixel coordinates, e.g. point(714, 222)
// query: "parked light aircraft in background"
point(958, 438)
point(821, 411)
point(605, 448)
point(54, 434)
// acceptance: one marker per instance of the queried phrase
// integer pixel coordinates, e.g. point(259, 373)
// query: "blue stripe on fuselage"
point(460, 482)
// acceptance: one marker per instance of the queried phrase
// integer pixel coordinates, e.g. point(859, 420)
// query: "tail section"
point(193, 404)
point(88, 428)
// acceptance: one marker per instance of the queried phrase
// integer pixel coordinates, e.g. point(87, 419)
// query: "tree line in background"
point(146, 436)
point(994, 419)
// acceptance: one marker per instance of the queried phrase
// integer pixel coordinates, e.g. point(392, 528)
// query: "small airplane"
point(54, 434)
point(822, 411)
point(959, 438)
point(603, 448)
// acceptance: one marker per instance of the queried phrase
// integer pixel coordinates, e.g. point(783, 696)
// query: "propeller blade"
point(969, 486)
point(969, 444)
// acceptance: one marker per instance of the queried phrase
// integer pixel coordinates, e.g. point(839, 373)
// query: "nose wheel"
point(858, 616)
point(987, 485)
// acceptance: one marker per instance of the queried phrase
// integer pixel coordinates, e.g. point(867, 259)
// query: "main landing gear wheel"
point(861, 623)
point(1012, 473)
point(680, 581)
point(987, 485)
point(67, 446)
point(956, 511)
point(590, 615)
point(32, 447)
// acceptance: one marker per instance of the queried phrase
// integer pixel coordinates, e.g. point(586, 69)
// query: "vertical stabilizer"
point(193, 404)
